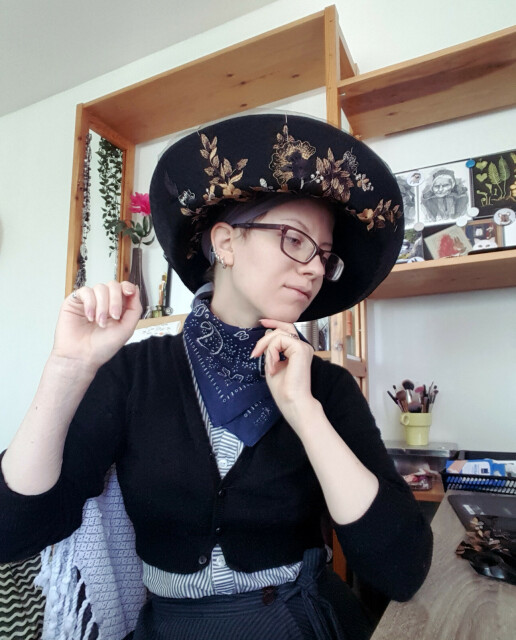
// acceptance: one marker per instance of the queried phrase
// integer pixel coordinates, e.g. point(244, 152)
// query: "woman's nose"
point(315, 267)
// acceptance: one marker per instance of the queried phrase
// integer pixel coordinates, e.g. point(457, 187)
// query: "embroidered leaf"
point(213, 153)
point(215, 161)
point(205, 141)
point(228, 169)
point(241, 164)
point(210, 171)
point(319, 165)
point(330, 155)
point(236, 177)
point(494, 176)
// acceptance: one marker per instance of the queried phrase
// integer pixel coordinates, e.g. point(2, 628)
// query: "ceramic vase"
point(136, 277)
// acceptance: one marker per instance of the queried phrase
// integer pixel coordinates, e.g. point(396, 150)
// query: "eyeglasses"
point(298, 246)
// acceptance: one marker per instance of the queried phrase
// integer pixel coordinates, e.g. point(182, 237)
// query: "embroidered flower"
point(334, 176)
point(379, 216)
point(363, 182)
point(290, 158)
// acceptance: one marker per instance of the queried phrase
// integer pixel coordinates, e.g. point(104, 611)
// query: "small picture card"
point(484, 234)
point(412, 247)
point(493, 182)
point(449, 242)
point(435, 195)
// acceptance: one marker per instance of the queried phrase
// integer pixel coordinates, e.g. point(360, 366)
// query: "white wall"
point(437, 337)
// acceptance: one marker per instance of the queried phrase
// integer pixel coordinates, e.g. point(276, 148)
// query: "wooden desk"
point(454, 603)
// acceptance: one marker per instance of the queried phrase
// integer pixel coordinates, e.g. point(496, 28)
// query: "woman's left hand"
point(288, 379)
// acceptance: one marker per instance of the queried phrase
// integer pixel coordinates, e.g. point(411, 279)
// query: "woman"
point(231, 441)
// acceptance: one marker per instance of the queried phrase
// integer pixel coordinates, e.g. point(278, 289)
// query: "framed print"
point(449, 242)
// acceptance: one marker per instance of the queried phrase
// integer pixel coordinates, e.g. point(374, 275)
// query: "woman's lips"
point(305, 294)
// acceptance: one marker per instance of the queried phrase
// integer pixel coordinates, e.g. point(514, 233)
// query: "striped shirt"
point(216, 578)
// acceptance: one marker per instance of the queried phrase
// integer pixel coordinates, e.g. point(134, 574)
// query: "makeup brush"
point(408, 385)
point(394, 399)
point(401, 397)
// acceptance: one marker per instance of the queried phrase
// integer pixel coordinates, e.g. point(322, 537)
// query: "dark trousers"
point(317, 606)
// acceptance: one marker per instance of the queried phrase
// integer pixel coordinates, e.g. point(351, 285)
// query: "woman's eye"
point(294, 240)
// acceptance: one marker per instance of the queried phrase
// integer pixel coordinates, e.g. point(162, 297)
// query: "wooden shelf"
point(494, 270)
point(279, 64)
point(471, 78)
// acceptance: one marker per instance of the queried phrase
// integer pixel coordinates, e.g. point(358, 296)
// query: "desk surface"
point(454, 603)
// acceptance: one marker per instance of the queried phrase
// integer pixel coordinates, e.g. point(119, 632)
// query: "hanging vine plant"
point(110, 175)
point(80, 278)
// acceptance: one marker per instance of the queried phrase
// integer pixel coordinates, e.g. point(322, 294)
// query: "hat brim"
point(249, 156)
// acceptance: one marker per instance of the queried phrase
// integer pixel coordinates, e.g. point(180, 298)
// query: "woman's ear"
point(222, 241)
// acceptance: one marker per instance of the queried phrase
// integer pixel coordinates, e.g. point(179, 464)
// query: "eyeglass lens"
point(302, 248)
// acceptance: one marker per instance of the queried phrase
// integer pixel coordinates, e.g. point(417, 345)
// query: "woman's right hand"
point(94, 323)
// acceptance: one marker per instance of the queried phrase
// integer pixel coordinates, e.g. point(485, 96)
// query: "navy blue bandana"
point(232, 384)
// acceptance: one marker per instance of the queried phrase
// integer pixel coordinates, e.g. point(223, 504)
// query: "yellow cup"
point(417, 426)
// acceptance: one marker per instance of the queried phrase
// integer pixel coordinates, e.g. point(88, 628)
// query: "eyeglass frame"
point(284, 228)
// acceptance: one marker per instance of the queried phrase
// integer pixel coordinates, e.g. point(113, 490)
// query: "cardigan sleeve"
point(29, 523)
point(390, 546)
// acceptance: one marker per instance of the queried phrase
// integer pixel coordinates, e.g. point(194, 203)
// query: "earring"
point(220, 260)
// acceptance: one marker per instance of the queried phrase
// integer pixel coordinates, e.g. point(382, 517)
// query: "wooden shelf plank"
point(470, 78)
point(493, 270)
point(281, 63)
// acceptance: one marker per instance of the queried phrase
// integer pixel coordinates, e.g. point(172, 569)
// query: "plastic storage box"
point(486, 483)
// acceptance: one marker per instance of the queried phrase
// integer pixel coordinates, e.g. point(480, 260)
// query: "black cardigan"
point(142, 413)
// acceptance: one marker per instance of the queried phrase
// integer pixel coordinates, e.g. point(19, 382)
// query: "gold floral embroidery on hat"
point(223, 176)
point(376, 218)
point(335, 180)
point(290, 158)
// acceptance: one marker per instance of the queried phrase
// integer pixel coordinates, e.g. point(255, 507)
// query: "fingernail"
point(90, 315)
point(102, 320)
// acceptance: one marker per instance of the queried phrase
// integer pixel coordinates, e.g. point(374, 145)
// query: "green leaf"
point(492, 171)
point(503, 169)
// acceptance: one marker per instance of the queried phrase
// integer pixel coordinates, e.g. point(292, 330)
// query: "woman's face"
point(265, 282)
point(442, 185)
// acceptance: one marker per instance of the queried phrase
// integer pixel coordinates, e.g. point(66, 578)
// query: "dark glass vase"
point(136, 277)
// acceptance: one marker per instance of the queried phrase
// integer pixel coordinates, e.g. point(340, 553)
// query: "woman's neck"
point(230, 313)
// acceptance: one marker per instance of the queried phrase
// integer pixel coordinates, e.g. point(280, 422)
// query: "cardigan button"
point(202, 560)
point(221, 493)
point(218, 531)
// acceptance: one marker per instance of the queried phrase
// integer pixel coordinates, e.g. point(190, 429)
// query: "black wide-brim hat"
point(244, 158)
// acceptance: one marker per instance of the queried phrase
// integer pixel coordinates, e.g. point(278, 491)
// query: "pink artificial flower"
point(140, 203)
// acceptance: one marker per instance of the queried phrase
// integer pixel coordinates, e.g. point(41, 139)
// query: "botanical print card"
point(493, 180)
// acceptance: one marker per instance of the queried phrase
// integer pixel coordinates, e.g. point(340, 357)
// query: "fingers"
point(280, 329)
point(107, 301)
point(279, 347)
